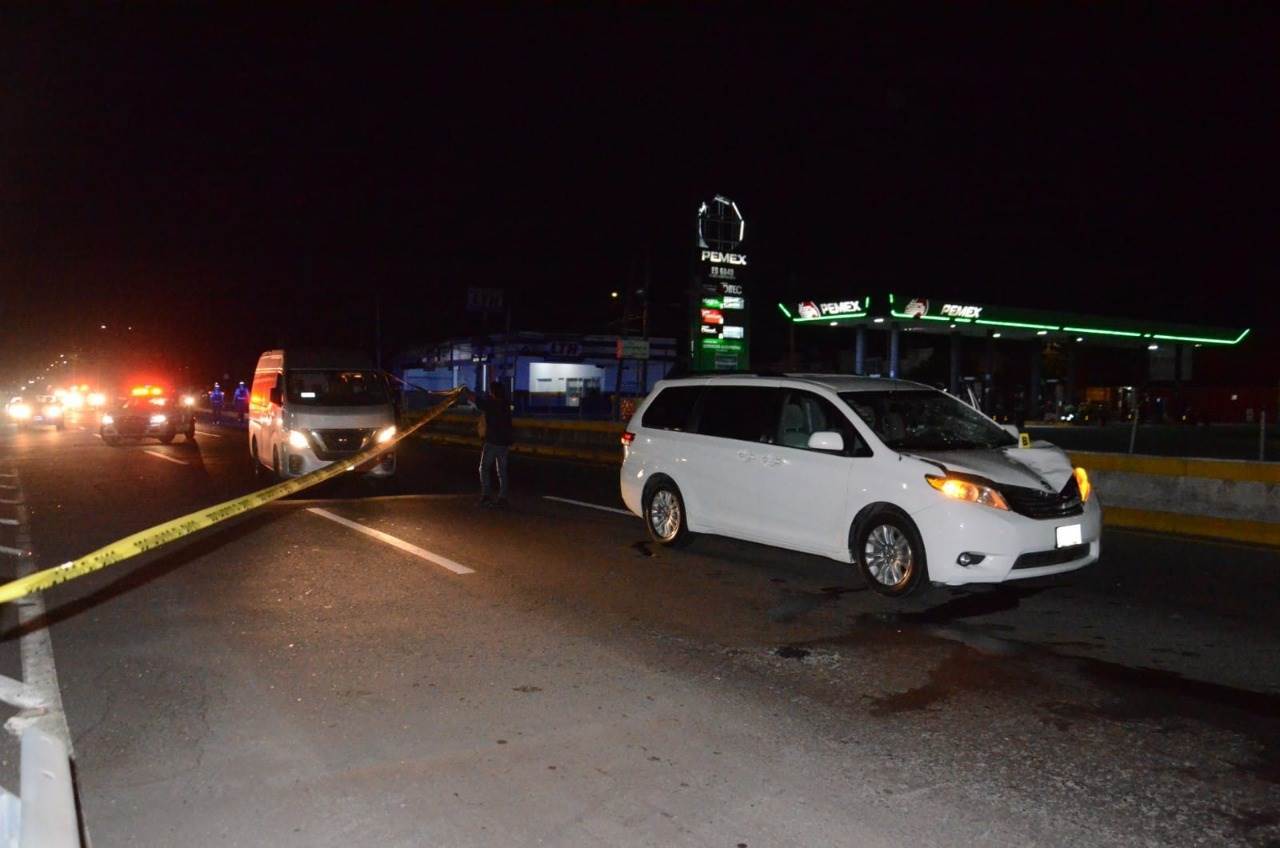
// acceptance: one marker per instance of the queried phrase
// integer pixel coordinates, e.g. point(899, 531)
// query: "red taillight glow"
point(628, 438)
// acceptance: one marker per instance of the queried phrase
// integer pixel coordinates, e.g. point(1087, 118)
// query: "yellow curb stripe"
point(1236, 529)
point(1172, 466)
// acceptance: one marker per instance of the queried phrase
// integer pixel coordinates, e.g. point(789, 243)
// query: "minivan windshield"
point(923, 419)
point(325, 387)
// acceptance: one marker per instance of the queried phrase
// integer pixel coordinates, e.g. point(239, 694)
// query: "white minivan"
point(907, 483)
point(308, 408)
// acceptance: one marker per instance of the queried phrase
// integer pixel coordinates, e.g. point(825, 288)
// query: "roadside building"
point(551, 374)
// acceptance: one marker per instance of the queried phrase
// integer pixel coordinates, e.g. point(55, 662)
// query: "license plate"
point(1069, 535)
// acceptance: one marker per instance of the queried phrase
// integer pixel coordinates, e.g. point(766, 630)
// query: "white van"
point(310, 408)
point(904, 481)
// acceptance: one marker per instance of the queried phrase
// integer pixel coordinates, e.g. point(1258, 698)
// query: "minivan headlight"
point(1082, 482)
point(386, 434)
point(966, 490)
point(297, 439)
point(159, 418)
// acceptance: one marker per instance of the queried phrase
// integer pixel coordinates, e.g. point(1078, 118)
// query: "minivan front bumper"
point(951, 528)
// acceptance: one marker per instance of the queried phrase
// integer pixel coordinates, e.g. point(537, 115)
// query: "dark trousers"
point(493, 456)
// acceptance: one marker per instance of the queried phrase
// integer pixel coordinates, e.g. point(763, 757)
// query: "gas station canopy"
point(931, 315)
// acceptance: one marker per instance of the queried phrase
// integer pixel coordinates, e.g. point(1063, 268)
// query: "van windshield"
point(323, 387)
point(923, 419)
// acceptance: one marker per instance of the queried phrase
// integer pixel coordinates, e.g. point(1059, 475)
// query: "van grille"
point(1035, 503)
point(1040, 559)
point(337, 444)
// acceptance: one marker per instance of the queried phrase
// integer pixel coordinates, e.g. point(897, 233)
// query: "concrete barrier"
point(1218, 498)
point(1221, 498)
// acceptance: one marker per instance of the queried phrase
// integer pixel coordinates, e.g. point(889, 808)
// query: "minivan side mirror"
point(277, 396)
point(826, 440)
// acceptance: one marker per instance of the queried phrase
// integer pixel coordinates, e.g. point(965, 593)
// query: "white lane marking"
point(163, 456)
point(625, 512)
point(7, 487)
point(207, 433)
point(7, 501)
point(445, 562)
point(12, 522)
point(5, 549)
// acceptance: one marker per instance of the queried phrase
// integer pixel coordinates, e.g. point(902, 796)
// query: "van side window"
point(672, 409)
point(746, 413)
point(805, 413)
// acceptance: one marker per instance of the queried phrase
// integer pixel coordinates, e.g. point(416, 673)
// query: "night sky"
point(226, 181)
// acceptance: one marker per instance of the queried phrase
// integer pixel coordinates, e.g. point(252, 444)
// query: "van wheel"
point(253, 458)
point(664, 515)
point(890, 554)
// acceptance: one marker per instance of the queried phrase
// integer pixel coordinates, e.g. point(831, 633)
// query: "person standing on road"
point(215, 402)
point(497, 437)
point(242, 400)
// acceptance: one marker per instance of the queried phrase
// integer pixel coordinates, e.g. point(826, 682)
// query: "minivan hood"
point(340, 417)
point(1044, 467)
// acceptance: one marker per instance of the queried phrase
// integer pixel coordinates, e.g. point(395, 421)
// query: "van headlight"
point(108, 418)
point(386, 434)
point(298, 440)
point(1082, 482)
point(966, 490)
point(159, 418)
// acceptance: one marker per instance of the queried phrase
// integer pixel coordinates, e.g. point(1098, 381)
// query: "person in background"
point(216, 399)
point(242, 399)
point(497, 437)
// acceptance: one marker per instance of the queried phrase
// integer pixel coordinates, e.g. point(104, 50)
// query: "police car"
point(148, 413)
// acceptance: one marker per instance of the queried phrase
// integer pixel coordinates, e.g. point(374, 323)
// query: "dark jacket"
point(497, 420)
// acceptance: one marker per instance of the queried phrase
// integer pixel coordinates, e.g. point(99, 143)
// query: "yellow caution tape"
point(163, 534)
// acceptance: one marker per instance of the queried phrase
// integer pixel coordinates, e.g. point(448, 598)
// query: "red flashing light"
point(627, 438)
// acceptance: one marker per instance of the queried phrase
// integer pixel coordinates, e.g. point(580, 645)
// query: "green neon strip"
point(847, 317)
point(1102, 332)
point(785, 311)
point(896, 314)
point(866, 302)
point(1014, 324)
point(891, 298)
point(1236, 340)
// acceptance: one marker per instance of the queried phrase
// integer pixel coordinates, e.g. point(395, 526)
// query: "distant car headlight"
point(1082, 481)
point(108, 418)
point(20, 411)
point(298, 439)
point(188, 400)
point(53, 411)
point(386, 434)
point(159, 418)
point(97, 399)
point(965, 490)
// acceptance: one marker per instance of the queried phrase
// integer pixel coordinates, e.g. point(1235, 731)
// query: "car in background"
point(148, 412)
point(906, 483)
point(40, 411)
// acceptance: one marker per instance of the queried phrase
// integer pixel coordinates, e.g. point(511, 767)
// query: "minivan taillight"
point(627, 438)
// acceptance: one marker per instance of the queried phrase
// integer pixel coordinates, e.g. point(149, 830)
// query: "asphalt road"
point(290, 679)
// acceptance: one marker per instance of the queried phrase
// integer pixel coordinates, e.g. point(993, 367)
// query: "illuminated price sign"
point(712, 316)
point(729, 302)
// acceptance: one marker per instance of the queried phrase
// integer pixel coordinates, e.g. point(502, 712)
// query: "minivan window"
point(325, 387)
point(672, 409)
point(747, 413)
point(923, 419)
point(805, 413)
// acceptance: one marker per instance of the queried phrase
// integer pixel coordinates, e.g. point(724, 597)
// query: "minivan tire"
point(890, 553)
point(665, 517)
point(258, 470)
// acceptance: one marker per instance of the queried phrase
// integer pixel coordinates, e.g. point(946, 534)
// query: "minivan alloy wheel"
point(888, 555)
point(664, 514)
